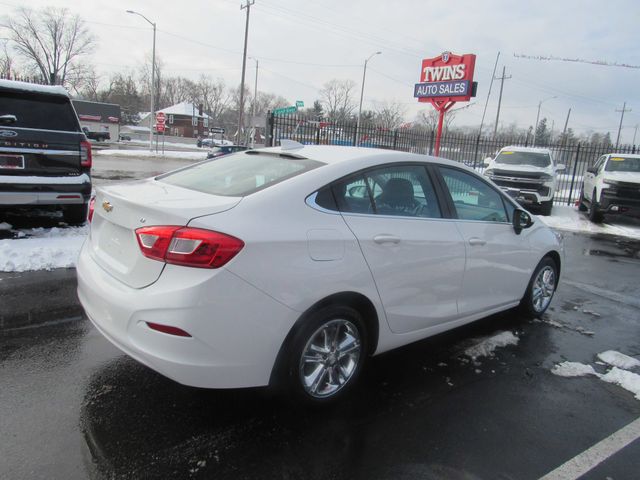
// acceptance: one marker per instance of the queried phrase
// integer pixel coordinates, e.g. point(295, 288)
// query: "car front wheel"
point(541, 288)
point(594, 214)
point(327, 355)
point(581, 206)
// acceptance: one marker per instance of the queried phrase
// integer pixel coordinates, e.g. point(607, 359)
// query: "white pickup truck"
point(527, 174)
point(611, 185)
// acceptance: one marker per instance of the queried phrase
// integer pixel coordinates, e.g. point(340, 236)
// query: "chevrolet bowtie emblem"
point(107, 206)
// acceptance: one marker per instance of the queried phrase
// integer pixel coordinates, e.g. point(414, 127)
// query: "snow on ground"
point(620, 360)
point(564, 217)
point(144, 143)
point(199, 155)
point(42, 249)
point(485, 346)
point(573, 369)
point(618, 374)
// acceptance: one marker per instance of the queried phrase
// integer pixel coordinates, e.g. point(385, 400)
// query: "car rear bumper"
point(236, 330)
point(16, 190)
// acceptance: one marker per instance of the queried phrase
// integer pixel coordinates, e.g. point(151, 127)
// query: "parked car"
point(123, 137)
point(529, 175)
point(45, 158)
point(97, 136)
point(292, 265)
point(611, 185)
point(226, 150)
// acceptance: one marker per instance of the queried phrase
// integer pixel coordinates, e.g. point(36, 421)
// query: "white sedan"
point(292, 265)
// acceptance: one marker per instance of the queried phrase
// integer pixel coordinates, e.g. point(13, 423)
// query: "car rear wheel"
point(328, 355)
point(594, 214)
point(541, 288)
point(75, 214)
point(546, 207)
point(581, 206)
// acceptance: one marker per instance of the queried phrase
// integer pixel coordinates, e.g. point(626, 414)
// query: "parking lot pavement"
point(75, 407)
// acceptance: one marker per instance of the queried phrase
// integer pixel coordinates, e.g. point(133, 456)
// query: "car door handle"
point(386, 238)
point(475, 241)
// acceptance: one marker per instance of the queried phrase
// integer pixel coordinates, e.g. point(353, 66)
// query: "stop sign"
point(160, 118)
point(160, 127)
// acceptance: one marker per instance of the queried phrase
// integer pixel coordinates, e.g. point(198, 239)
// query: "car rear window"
point(239, 174)
point(41, 111)
point(535, 159)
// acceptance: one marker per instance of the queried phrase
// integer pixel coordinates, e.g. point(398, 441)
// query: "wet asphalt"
point(73, 406)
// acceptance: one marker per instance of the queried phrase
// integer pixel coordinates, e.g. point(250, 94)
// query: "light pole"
point(253, 110)
point(364, 74)
point(535, 130)
point(153, 80)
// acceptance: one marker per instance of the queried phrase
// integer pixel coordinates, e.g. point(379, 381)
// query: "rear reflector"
point(92, 206)
point(178, 332)
point(85, 154)
point(190, 247)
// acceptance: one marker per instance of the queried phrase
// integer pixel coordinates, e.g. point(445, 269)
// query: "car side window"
point(352, 195)
point(473, 198)
point(404, 190)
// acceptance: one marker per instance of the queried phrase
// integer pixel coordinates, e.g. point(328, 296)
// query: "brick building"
point(182, 120)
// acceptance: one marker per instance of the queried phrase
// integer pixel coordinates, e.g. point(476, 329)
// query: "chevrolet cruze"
point(293, 265)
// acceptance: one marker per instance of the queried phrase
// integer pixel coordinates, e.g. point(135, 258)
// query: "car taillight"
point(92, 206)
point(190, 247)
point(85, 154)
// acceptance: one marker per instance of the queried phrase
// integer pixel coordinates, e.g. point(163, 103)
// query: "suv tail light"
point(85, 154)
point(190, 247)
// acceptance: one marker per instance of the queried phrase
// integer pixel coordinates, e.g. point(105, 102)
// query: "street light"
point(253, 110)
point(153, 81)
point(364, 74)
point(535, 130)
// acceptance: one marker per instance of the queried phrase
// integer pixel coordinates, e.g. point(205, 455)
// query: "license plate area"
point(12, 162)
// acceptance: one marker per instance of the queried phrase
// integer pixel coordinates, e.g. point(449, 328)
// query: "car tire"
point(541, 288)
point(327, 355)
point(594, 215)
point(546, 207)
point(75, 214)
point(581, 206)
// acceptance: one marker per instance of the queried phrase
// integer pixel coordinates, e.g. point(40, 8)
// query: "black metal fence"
point(468, 149)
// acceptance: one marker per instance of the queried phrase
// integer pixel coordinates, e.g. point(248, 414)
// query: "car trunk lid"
point(121, 209)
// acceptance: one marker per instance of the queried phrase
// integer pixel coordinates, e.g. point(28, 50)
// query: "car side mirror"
point(592, 170)
point(560, 168)
point(487, 161)
point(521, 220)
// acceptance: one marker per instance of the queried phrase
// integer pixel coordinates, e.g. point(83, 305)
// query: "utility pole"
point(535, 129)
point(253, 110)
point(624, 109)
point(566, 122)
point(493, 77)
point(364, 75)
point(244, 64)
point(634, 135)
point(502, 79)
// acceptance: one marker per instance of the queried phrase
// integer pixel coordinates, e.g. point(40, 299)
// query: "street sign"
point(160, 127)
point(285, 110)
point(216, 130)
point(299, 104)
point(161, 118)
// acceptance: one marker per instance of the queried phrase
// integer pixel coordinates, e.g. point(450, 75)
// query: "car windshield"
point(623, 164)
point(239, 174)
point(535, 159)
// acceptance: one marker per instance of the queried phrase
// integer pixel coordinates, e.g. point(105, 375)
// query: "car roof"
point(516, 148)
point(33, 87)
point(334, 154)
point(627, 155)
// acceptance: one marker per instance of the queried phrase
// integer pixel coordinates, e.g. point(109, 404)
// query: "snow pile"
point(42, 249)
point(5, 226)
point(618, 374)
point(620, 360)
point(484, 347)
point(564, 217)
point(573, 369)
point(201, 155)
point(627, 380)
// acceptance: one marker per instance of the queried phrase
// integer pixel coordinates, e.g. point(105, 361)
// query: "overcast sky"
point(303, 44)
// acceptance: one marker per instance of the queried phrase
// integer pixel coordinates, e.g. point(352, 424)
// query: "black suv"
point(45, 158)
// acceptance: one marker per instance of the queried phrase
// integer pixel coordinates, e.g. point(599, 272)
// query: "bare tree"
point(390, 115)
point(214, 95)
point(7, 65)
point(429, 119)
point(50, 41)
point(337, 98)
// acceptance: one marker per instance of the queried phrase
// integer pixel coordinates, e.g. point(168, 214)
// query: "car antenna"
point(290, 145)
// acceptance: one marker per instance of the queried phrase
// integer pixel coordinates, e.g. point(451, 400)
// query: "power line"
point(553, 58)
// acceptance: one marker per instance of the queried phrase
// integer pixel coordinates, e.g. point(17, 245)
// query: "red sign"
point(160, 118)
point(160, 127)
point(446, 78)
